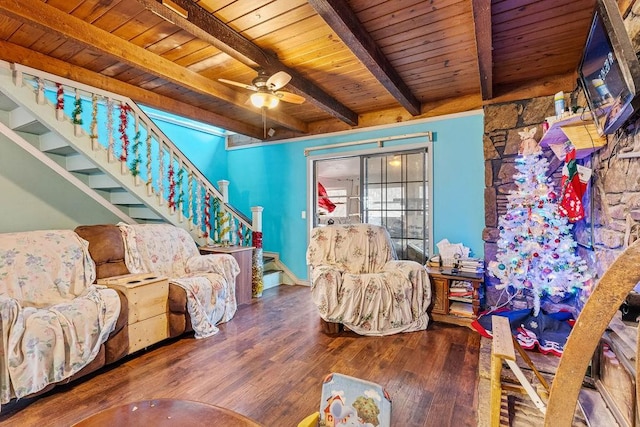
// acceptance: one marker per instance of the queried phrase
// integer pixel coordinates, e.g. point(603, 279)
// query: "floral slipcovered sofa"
point(54, 322)
point(357, 281)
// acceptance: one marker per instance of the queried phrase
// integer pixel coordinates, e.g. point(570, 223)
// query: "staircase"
point(115, 154)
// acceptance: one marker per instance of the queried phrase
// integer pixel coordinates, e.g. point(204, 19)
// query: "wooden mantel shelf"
point(577, 131)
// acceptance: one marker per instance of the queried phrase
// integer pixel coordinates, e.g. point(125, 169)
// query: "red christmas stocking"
point(572, 191)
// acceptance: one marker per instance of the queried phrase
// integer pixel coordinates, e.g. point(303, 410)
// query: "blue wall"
point(274, 176)
point(205, 150)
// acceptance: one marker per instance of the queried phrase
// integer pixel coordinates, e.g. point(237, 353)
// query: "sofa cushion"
point(161, 248)
point(44, 267)
point(106, 248)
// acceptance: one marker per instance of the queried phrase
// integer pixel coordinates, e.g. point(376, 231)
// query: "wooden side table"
point(147, 295)
point(441, 308)
point(243, 255)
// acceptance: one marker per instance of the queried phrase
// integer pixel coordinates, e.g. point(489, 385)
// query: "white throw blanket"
point(53, 320)
point(208, 280)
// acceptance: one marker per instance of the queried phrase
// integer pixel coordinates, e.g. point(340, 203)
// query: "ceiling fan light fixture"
point(264, 100)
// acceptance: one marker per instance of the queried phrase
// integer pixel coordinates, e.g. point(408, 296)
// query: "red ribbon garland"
point(124, 109)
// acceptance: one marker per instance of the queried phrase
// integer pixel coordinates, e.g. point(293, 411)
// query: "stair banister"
point(163, 142)
point(237, 225)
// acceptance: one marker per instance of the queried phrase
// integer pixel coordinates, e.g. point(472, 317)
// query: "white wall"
point(33, 197)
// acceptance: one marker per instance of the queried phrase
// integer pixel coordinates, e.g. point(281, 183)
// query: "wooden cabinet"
point(454, 309)
point(439, 296)
point(244, 256)
point(147, 296)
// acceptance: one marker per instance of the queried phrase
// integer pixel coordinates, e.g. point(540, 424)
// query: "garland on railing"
point(124, 109)
point(226, 228)
point(215, 226)
point(94, 119)
point(180, 198)
point(110, 147)
point(247, 236)
point(135, 164)
point(207, 214)
point(172, 184)
point(190, 200)
point(77, 111)
point(243, 235)
point(149, 174)
point(257, 266)
point(198, 215)
point(59, 97)
point(160, 173)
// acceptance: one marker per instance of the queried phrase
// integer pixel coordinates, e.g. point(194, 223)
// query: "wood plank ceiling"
point(358, 63)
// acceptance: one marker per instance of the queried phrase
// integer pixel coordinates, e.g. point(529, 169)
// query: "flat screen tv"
point(609, 71)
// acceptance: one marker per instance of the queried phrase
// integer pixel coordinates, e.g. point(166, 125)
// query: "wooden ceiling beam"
point(52, 20)
point(13, 53)
point(383, 117)
point(534, 89)
point(345, 23)
point(482, 24)
point(207, 27)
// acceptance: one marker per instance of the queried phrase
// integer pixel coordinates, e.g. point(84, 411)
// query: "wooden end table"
point(147, 295)
point(442, 301)
point(244, 257)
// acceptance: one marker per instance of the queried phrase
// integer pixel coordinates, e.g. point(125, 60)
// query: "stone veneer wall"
point(616, 197)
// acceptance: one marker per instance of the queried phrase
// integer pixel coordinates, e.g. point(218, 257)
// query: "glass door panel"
point(395, 195)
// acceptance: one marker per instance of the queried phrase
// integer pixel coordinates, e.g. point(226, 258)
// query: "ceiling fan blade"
point(242, 85)
point(289, 97)
point(278, 80)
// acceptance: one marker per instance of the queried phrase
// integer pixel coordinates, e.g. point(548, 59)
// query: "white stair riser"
point(272, 279)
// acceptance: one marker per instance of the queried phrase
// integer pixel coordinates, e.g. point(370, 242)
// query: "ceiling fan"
point(267, 94)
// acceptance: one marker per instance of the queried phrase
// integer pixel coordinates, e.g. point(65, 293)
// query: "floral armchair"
point(53, 320)
point(357, 281)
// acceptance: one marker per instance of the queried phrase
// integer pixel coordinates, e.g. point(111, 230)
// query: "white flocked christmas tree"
point(536, 251)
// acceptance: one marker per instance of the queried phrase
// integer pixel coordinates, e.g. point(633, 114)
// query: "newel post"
point(223, 185)
point(257, 268)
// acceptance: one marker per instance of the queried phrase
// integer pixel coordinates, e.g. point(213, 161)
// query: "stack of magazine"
point(461, 297)
point(471, 265)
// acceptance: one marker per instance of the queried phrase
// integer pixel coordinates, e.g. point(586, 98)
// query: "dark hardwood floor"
point(268, 364)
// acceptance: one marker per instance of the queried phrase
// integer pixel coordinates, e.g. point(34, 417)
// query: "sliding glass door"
point(395, 195)
point(390, 189)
